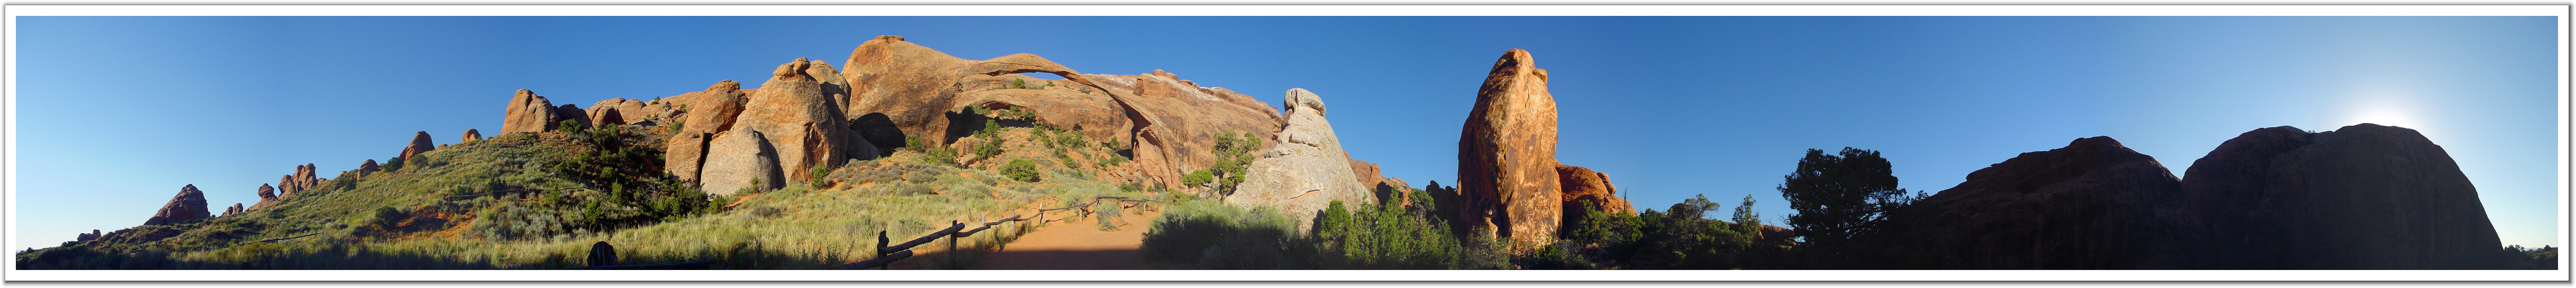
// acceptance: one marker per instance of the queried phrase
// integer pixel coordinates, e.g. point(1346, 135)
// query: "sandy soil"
point(1075, 245)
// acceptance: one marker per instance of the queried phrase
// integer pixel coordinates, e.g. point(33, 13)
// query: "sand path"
point(1076, 244)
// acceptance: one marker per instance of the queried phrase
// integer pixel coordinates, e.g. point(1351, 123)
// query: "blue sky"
point(116, 113)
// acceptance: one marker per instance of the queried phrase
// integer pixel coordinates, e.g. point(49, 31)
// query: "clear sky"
point(116, 113)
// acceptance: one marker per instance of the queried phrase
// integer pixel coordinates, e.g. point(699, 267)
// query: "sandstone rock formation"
point(1305, 170)
point(2094, 204)
point(1507, 155)
point(800, 121)
point(368, 167)
point(85, 237)
point(528, 112)
point(736, 158)
point(614, 111)
point(1365, 172)
point(1581, 185)
point(420, 143)
point(684, 154)
point(190, 204)
point(267, 197)
point(898, 88)
point(235, 209)
point(302, 179)
point(2361, 197)
point(470, 135)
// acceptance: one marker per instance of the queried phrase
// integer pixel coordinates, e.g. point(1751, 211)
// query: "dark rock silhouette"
point(2090, 205)
point(2364, 196)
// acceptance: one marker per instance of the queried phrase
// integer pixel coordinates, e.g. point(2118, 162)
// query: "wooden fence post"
point(952, 246)
point(881, 243)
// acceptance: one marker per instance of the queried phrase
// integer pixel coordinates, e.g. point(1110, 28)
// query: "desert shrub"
point(1107, 162)
point(1604, 236)
point(1022, 170)
point(818, 177)
point(988, 148)
point(1197, 178)
point(1684, 238)
point(1107, 215)
point(942, 156)
point(1377, 236)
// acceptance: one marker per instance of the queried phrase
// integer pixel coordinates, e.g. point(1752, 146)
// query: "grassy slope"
point(801, 227)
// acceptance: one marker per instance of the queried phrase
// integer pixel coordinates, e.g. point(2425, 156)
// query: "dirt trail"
point(1076, 244)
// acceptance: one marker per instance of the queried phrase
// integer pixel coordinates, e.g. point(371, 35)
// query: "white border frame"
point(2560, 11)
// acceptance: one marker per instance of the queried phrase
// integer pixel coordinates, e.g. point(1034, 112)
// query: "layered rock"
point(2094, 204)
point(736, 158)
point(2361, 197)
point(1507, 155)
point(470, 136)
point(1305, 170)
point(190, 204)
point(1581, 185)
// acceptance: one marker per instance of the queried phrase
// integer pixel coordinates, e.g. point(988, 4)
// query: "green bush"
point(1022, 170)
point(1219, 236)
point(1386, 237)
point(942, 156)
point(1196, 178)
point(989, 148)
point(815, 177)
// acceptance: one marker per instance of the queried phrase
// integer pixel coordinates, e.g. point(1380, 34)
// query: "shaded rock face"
point(470, 135)
point(1582, 185)
point(420, 143)
point(735, 158)
point(685, 153)
point(2094, 204)
point(302, 179)
point(528, 112)
point(1305, 170)
point(190, 204)
point(1507, 155)
point(2361, 197)
point(235, 209)
point(85, 237)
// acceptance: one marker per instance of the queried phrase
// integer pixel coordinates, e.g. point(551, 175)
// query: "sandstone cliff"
point(2361, 197)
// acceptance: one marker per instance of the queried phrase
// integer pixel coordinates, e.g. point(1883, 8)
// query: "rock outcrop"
point(1582, 185)
point(1367, 173)
point(267, 197)
point(737, 158)
point(302, 179)
point(614, 111)
point(420, 143)
point(800, 121)
point(235, 209)
point(1305, 170)
point(85, 237)
point(898, 88)
point(369, 167)
point(190, 204)
point(1507, 155)
point(528, 112)
point(2361, 197)
point(708, 112)
point(2094, 204)
point(470, 136)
